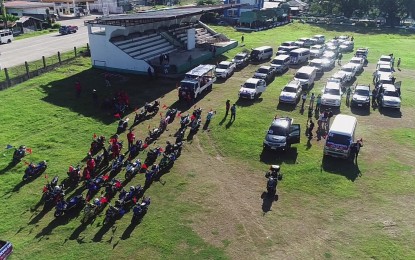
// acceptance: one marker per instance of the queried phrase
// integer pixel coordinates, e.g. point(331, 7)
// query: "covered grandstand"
point(134, 42)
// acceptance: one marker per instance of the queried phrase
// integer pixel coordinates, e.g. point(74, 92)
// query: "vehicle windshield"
point(391, 93)
point(313, 48)
point(222, 66)
point(285, 44)
point(362, 92)
point(347, 69)
point(186, 85)
point(300, 75)
point(332, 91)
point(277, 62)
point(355, 61)
point(277, 130)
point(249, 85)
point(339, 139)
point(239, 57)
point(385, 69)
point(315, 64)
point(289, 89)
point(294, 54)
point(282, 48)
point(262, 70)
point(254, 53)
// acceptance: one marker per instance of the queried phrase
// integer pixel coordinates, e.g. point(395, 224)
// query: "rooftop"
point(26, 5)
point(157, 16)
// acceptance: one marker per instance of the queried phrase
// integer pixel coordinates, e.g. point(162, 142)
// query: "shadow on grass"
point(267, 201)
point(346, 168)
point(248, 102)
point(390, 112)
point(7, 168)
point(46, 208)
point(286, 107)
point(62, 92)
point(362, 111)
point(129, 230)
point(274, 157)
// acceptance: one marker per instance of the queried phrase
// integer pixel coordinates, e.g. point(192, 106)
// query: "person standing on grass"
point(228, 106)
point(310, 113)
point(310, 130)
point(233, 112)
point(355, 149)
point(399, 63)
point(318, 103)
point(312, 97)
point(130, 139)
point(78, 89)
point(304, 98)
point(348, 92)
point(242, 38)
point(339, 61)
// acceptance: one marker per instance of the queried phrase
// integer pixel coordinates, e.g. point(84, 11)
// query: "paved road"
point(34, 48)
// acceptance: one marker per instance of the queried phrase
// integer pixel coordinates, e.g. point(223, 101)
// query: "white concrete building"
point(23, 8)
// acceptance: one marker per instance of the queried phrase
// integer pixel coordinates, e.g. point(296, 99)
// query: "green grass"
point(329, 211)
point(34, 34)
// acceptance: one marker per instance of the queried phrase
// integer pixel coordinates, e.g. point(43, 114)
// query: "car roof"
point(242, 53)
point(318, 35)
point(253, 80)
point(316, 60)
point(385, 76)
point(343, 124)
point(317, 46)
point(282, 121)
point(262, 48)
point(348, 65)
point(389, 87)
point(364, 87)
point(332, 85)
point(356, 58)
point(281, 57)
point(306, 69)
point(385, 65)
point(339, 74)
point(265, 67)
point(293, 83)
point(385, 57)
point(225, 62)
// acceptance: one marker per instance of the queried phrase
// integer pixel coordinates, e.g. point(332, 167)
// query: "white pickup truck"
point(224, 69)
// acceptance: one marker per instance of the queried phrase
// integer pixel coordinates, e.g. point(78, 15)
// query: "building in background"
point(32, 9)
point(70, 7)
point(232, 15)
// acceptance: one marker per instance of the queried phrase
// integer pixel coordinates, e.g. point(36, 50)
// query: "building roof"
point(24, 19)
point(70, 1)
point(26, 5)
point(156, 16)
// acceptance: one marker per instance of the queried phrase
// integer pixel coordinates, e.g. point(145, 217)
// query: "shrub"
point(56, 26)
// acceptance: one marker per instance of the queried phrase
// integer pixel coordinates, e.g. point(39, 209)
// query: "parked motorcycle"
point(167, 161)
point(132, 169)
point(130, 197)
point(195, 125)
point(171, 114)
point(94, 185)
point(140, 117)
point(152, 108)
point(136, 149)
point(152, 155)
point(112, 187)
point(63, 207)
point(184, 121)
point(117, 164)
point(140, 209)
point(114, 212)
point(180, 135)
point(97, 144)
point(33, 170)
point(74, 174)
point(19, 154)
point(52, 192)
point(93, 208)
point(122, 125)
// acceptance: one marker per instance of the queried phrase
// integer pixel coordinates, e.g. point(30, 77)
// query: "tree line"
point(392, 10)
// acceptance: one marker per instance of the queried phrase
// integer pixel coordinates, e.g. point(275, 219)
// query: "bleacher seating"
point(144, 47)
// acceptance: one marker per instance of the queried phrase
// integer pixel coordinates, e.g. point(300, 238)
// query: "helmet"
point(132, 188)
point(275, 168)
point(57, 188)
point(96, 200)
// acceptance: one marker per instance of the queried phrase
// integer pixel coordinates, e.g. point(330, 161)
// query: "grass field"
point(34, 34)
point(210, 206)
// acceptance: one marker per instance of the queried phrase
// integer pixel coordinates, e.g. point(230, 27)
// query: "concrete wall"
point(20, 12)
point(106, 55)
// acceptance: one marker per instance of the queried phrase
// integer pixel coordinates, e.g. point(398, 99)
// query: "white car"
point(316, 51)
point(341, 76)
point(385, 60)
point(329, 55)
point(346, 46)
point(358, 62)
point(252, 88)
point(390, 97)
point(225, 69)
point(350, 71)
point(332, 95)
point(318, 64)
point(384, 69)
point(291, 92)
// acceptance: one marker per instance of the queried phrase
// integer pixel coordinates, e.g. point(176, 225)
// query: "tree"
point(392, 10)
point(3, 12)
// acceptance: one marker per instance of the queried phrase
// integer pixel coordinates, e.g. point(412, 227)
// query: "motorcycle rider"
point(274, 172)
point(169, 148)
point(90, 164)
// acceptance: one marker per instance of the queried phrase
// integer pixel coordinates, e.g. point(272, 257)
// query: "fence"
point(18, 74)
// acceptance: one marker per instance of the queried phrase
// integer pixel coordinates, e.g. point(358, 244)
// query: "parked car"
point(362, 53)
point(333, 48)
point(327, 63)
point(385, 60)
point(291, 92)
point(340, 76)
point(358, 62)
point(225, 69)
point(6, 248)
point(68, 29)
point(346, 46)
point(361, 96)
point(318, 64)
point(288, 43)
point(329, 55)
point(390, 97)
point(261, 53)
point(350, 71)
point(307, 42)
point(281, 63)
point(241, 59)
point(316, 51)
point(282, 134)
point(252, 88)
point(266, 73)
point(320, 38)
point(332, 95)
point(306, 75)
point(285, 50)
point(384, 70)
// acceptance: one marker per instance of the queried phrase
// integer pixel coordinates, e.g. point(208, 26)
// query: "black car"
point(266, 73)
point(361, 96)
point(282, 134)
point(241, 59)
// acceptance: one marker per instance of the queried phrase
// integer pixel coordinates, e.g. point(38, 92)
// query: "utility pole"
point(3, 10)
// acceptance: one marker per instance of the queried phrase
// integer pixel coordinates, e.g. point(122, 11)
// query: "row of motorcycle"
point(93, 179)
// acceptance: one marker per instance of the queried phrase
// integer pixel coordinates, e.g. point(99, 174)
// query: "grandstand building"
point(134, 42)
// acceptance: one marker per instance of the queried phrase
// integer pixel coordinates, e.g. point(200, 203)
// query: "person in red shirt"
point(130, 138)
point(90, 164)
point(78, 89)
point(115, 150)
point(86, 174)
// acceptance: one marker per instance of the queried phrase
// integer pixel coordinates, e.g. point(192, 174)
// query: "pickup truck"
point(68, 29)
point(6, 248)
point(225, 69)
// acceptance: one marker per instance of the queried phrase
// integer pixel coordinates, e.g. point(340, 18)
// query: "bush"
point(56, 26)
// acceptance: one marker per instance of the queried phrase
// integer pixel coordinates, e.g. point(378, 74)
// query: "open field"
point(210, 206)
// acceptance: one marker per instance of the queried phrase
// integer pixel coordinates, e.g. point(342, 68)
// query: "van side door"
point(294, 134)
point(261, 86)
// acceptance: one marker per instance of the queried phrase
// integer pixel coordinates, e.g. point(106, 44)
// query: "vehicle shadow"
point(271, 157)
point(7, 168)
point(346, 168)
point(248, 102)
point(129, 230)
point(102, 231)
point(390, 112)
point(65, 219)
point(361, 111)
point(267, 201)
point(286, 107)
point(46, 208)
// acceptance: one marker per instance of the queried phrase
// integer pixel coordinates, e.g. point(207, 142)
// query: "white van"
point(306, 75)
point(262, 53)
point(341, 136)
point(299, 56)
point(281, 63)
